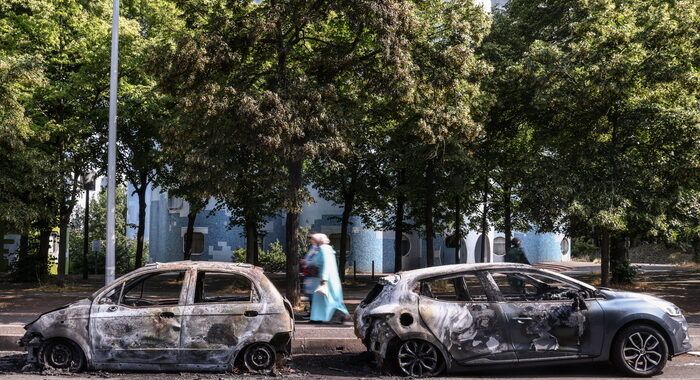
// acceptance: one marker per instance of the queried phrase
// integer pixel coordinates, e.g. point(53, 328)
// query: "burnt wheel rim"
point(62, 355)
point(259, 357)
point(418, 358)
point(642, 351)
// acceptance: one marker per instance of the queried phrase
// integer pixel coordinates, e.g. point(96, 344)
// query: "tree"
point(612, 106)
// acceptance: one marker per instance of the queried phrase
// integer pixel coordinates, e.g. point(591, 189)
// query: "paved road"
point(354, 366)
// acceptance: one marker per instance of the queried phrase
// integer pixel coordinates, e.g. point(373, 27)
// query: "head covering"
point(321, 239)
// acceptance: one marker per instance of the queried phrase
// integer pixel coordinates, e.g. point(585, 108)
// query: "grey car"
point(426, 321)
point(169, 316)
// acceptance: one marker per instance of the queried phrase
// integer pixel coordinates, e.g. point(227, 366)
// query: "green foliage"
point(623, 272)
point(584, 249)
point(272, 260)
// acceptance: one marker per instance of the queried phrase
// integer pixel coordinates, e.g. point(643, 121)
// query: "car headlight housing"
point(673, 310)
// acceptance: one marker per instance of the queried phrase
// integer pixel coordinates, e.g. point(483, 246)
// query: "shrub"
point(272, 260)
point(623, 272)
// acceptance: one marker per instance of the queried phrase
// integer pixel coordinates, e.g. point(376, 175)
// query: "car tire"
point(640, 350)
point(62, 354)
point(417, 358)
point(259, 357)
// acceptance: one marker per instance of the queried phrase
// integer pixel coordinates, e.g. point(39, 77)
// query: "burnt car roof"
point(201, 264)
point(419, 274)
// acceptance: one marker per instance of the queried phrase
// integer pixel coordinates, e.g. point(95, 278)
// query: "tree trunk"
point(484, 221)
point(43, 259)
point(191, 217)
point(62, 248)
point(250, 228)
point(617, 258)
point(256, 249)
point(458, 231)
point(429, 194)
point(345, 221)
point(86, 234)
point(398, 227)
point(140, 232)
point(24, 245)
point(605, 258)
point(507, 214)
point(292, 231)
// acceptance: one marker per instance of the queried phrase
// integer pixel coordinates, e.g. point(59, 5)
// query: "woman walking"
point(328, 295)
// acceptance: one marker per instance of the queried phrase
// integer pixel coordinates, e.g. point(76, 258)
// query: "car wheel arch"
point(80, 341)
point(57, 339)
point(646, 322)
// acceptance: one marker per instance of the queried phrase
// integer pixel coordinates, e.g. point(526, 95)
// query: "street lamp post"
point(112, 148)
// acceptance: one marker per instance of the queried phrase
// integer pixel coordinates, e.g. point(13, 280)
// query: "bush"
point(272, 260)
point(623, 272)
point(584, 250)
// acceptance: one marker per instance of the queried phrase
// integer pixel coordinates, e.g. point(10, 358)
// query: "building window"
point(335, 242)
point(499, 246)
point(405, 245)
point(197, 242)
point(174, 203)
point(564, 246)
point(477, 248)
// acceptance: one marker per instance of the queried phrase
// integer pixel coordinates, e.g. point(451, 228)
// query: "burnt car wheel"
point(62, 354)
point(418, 358)
point(258, 357)
point(640, 350)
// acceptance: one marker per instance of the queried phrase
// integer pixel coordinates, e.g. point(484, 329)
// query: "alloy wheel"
point(642, 351)
point(418, 358)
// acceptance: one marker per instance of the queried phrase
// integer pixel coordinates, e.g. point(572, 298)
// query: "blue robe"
point(323, 307)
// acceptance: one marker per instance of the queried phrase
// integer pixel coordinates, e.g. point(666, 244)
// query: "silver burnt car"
point(169, 316)
point(425, 321)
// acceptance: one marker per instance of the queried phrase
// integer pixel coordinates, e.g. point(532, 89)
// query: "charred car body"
point(169, 316)
point(425, 321)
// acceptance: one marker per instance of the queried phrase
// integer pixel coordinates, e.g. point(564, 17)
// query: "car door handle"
point(250, 313)
point(112, 308)
point(167, 314)
point(522, 319)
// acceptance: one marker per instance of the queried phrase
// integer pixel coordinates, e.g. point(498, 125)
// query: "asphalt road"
point(354, 366)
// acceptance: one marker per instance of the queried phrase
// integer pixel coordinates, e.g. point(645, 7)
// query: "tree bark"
point(24, 245)
point(62, 248)
point(191, 217)
point(86, 234)
point(256, 249)
point(484, 221)
point(140, 232)
point(398, 227)
point(344, 223)
point(429, 229)
point(617, 258)
point(605, 258)
point(292, 231)
point(507, 214)
point(250, 227)
point(458, 231)
point(43, 259)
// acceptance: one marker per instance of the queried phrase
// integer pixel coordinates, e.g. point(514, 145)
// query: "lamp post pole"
point(112, 148)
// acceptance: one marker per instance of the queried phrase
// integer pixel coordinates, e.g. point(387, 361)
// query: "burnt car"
point(178, 316)
point(426, 321)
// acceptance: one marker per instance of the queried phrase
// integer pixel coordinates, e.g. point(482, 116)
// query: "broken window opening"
point(153, 289)
point(461, 288)
point(523, 286)
point(214, 287)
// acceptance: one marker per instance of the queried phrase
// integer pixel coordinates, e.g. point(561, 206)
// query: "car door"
point(548, 318)
point(223, 309)
point(139, 320)
point(458, 312)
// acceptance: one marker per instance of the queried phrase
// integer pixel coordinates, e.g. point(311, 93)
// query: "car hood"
point(620, 294)
point(79, 304)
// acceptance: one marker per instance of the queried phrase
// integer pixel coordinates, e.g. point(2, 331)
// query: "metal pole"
point(372, 269)
point(354, 270)
point(112, 149)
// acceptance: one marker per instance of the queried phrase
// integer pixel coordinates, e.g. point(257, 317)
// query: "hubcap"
point(258, 358)
point(642, 351)
point(418, 358)
point(61, 356)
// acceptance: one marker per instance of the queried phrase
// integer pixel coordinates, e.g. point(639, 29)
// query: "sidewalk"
point(680, 285)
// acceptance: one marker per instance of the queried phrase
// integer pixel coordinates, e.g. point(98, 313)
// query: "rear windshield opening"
point(372, 294)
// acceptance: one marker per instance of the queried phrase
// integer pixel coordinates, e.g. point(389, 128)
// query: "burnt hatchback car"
point(426, 321)
point(169, 316)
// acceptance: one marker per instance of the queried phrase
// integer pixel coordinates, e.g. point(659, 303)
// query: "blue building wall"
point(168, 222)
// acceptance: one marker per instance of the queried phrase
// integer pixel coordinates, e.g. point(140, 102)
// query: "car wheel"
point(259, 357)
point(418, 358)
point(640, 350)
point(62, 354)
